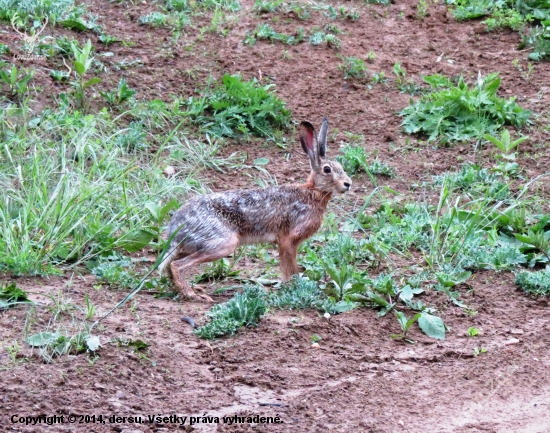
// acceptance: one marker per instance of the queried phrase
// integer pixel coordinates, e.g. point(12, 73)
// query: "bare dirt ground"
point(359, 379)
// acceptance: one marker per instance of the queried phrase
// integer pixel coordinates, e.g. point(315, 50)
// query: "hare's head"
point(327, 176)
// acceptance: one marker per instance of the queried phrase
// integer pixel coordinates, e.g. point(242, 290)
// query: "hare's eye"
point(326, 169)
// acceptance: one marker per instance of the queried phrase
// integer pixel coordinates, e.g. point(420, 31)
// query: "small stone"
point(169, 171)
point(315, 346)
point(326, 315)
point(516, 331)
point(511, 341)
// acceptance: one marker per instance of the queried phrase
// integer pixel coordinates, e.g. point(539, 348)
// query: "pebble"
point(169, 171)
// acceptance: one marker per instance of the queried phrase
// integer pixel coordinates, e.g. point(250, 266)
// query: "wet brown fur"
point(213, 226)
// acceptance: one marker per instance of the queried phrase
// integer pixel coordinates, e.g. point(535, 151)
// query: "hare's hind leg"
point(209, 253)
point(288, 249)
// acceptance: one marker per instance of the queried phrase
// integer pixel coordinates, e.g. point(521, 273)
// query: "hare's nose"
point(347, 185)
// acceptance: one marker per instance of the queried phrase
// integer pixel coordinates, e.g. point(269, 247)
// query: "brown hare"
point(211, 226)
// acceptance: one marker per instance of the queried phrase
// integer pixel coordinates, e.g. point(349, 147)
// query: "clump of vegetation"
point(505, 18)
point(175, 20)
point(354, 159)
point(22, 12)
point(244, 309)
point(239, 108)
point(353, 67)
point(507, 13)
point(515, 15)
point(476, 180)
point(267, 33)
point(299, 294)
point(11, 295)
point(15, 82)
point(122, 94)
point(457, 112)
point(538, 39)
point(328, 36)
point(534, 283)
point(300, 10)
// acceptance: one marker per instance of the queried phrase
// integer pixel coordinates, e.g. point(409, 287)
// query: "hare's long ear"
point(307, 138)
point(322, 140)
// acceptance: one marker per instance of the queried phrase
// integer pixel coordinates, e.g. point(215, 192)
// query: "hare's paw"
point(186, 292)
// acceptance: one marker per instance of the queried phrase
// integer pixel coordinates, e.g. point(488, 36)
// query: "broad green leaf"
point(171, 205)
point(402, 319)
point(412, 320)
point(74, 25)
point(261, 161)
point(154, 209)
point(79, 68)
point(495, 141)
point(91, 82)
point(135, 240)
point(524, 239)
point(432, 326)
point(462, 277)
point(343, 306)
point(378, 300)
point(42, 339)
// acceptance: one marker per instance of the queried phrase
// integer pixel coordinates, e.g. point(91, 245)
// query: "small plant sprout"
point(16, 81)
point(479, 350)
point(505, 144)
point(333, 42)
point(509, 166)
point(473, 332)
point(421, 9)
point(405, 325)
point(353, 67)
point(122, 94)
point(82, 64)
point(400, 73)
point(315, 338)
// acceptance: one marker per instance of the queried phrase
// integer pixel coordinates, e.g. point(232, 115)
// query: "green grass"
point(74, 190)
point(455, 112)
point(477, 181)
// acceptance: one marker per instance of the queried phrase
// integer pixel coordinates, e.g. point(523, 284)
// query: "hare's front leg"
point(208, 253)
point(287, 258)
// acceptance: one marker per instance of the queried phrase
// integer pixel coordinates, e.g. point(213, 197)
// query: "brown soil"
point(359, 379)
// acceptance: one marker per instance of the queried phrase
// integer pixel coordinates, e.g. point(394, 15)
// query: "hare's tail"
point(168, 258)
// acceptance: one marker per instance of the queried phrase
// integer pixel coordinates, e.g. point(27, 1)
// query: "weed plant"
point(353, 67)
point(266, 33)
point(354, 159)
point(535, 283)
point(538, 39)
point(29, 10)
point(238, 108)
point(457, 112)
point(244, 309)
